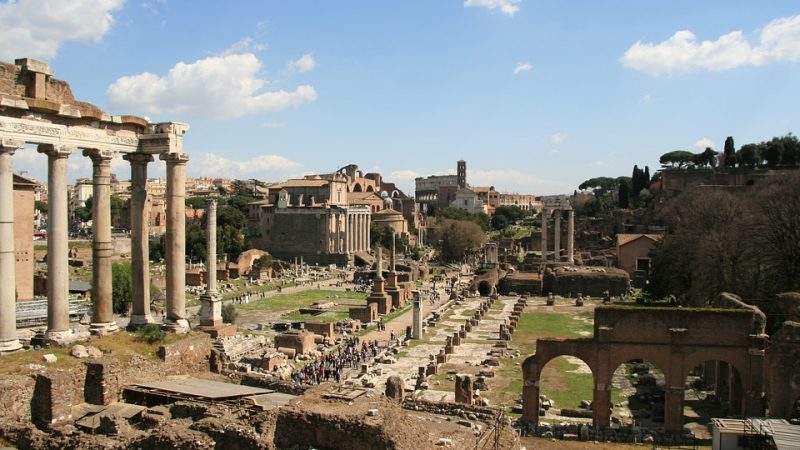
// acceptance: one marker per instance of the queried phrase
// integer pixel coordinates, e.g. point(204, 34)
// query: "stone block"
point(395, 389)
point(102, 386)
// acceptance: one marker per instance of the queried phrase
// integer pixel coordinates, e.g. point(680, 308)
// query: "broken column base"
point(103, 328)
point(60, 338)
point(140, 320)
point(10, 345)
point(176, 326)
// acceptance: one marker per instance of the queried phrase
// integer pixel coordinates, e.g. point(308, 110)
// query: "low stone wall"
point(595, 284)
point(450, 409)
point(191, 354)
point(268, 382)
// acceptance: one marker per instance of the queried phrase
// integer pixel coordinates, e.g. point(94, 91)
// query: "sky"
point(536, 96)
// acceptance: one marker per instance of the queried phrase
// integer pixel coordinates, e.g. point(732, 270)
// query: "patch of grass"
point(564, 386)
point(552, 325)
point(300, 300)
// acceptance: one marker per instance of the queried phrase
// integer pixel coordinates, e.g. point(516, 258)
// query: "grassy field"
point(561, 379)
point(288, 302)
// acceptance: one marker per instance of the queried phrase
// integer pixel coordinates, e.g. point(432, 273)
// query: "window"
point(643, 264)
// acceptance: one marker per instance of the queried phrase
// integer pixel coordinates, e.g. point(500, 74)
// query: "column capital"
point(138, 158)
point(174, 158)
point(8, 145)
point(99, 155)
point(55, 151)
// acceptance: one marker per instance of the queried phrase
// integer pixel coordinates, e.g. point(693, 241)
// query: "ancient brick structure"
point(301, 342)
point(102, 384)
point(675, 340)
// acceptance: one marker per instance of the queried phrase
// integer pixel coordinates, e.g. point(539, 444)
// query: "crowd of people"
point(330, 367)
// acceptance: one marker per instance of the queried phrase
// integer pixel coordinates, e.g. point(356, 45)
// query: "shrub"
point(152, 334)
point(229, 313)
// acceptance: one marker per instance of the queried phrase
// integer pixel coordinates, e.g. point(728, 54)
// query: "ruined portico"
point(40, 110)
point(555, 206)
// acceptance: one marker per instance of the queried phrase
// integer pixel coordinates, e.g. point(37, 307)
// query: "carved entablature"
point(165, 137)
point(36, 132)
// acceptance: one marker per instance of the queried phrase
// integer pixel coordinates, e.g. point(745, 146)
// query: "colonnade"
point(357, 235)
point(557, 250)
point(58, 325)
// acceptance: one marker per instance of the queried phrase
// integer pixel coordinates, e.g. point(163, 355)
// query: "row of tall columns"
point(8, 314)
point(557, 235)
point(356, 233)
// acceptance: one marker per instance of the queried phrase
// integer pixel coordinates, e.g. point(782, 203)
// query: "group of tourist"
point(330, 367)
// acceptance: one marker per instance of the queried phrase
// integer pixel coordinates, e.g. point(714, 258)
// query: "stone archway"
point(484, 288)
point(675, 339)
point(357, 187)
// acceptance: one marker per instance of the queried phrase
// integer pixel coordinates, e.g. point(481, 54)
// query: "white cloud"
point(262, 167)
point(522, 67)
point(508, 7)
point(646, 98)
point(217, 86)
point(516, 181)
point(304, 64)
point(558, 138)
point(404, 179)
point(702, 143)
point(779, 42)
point(37, 28)
point(244, 45)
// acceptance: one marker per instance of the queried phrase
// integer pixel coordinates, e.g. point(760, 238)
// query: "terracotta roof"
point(361, 195)
point(300, 183)
point(623, 239)
point(387, 212)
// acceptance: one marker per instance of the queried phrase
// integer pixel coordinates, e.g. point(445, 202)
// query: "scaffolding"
point(34, 313)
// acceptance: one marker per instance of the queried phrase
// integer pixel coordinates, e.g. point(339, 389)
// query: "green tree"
point(624, 196)
point(679, 158)
point(454, 239)
point(729, 152)
point(121, 285)
point(41, 206)
point(773, 152)
point(749, 155)
point(706, 158)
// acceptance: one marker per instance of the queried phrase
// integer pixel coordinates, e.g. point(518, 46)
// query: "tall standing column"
point(357, 232)
point(210, 304)
point(361, 233)
point(8, 281)
point(571, 237)
point(58, 330)
point(140, 250)
point(368, 231)
point(176, 242)
point(338, 232)
point(347, 233)
point(544, 235)
point(102, 249)
point(557, 236)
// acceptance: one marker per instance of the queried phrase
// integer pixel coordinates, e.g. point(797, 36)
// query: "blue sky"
point(537, 96)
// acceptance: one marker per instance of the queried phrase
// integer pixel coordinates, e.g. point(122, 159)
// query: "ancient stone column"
point(557, 236)
point(544, 235)
point(8, 281)
point(176, 242)
point(58, 330)
point(210, 303)
point(368, 231)
point(416, 330)
point(571, 237)
point(102, 249)
point(140, 250)
point(348, 230)
point(338, 246)
point(359, 233)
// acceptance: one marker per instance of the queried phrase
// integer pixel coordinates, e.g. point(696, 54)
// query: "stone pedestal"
point(8, 302)
point(378, 295)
